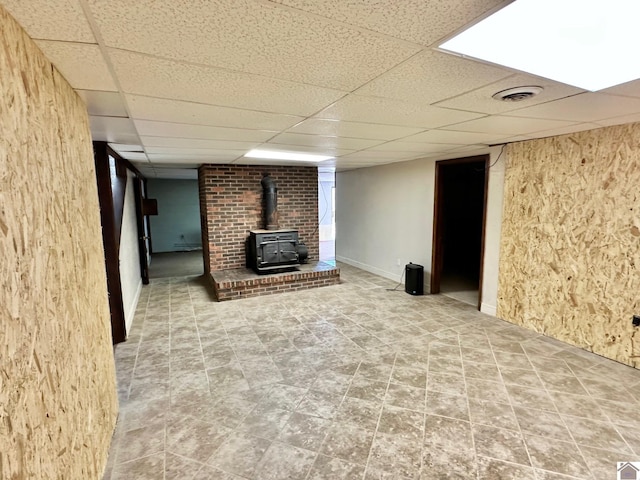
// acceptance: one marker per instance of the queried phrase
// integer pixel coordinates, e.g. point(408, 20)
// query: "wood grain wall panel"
point(58, 399)
point(570, 248)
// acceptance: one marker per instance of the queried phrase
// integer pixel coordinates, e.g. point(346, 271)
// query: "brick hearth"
point(243, 283)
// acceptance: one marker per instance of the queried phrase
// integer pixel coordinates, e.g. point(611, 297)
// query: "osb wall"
point(231, 205)
point(57, 384)
point(570, 248)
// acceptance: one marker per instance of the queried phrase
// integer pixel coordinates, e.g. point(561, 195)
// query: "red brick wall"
point(231, 205)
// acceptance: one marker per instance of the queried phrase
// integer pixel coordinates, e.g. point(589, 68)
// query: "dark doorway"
point(458, 233)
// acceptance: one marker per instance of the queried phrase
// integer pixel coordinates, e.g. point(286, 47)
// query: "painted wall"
point(130, 275)
point(384, 219)
point(570, 251)
point(176, 228)
point(58, 399)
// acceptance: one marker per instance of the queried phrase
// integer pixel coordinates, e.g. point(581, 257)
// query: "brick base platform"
point(243, 283)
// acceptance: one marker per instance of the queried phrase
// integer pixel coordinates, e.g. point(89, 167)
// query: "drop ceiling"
point(175, 84)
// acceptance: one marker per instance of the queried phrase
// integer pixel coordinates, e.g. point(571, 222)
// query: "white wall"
point(492, 232)
point(384, 219)
point(130, 275)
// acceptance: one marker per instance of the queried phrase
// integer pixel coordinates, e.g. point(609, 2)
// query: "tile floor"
point(354, 381)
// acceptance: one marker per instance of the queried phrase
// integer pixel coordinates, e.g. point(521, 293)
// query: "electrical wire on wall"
point(496, 161)
point(395, 289)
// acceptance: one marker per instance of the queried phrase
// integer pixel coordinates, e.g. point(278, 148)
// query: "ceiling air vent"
point(517, 94)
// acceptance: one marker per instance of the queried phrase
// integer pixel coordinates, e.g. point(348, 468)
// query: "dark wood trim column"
point(111, 240)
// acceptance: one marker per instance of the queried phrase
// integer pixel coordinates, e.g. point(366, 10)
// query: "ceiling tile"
point(481, 100)
point(372, 131)
point(61, 20)
point(402, 146)
point(370, 155)
point(449, 136)
point(323, 141)
point(81, 64)
point(107, 104)
point(328, 150)
point(183, 130)
point(629, 89)
point(258, 161)
point(419, 21)
point(219, 156)
point(565, 130)
point(292, 45)
point(196, 143)
point(585, 107)
point(200, 114)
point(113, 130)
point(154, 77)
point(192, 151)
point(357, 108)
point(191, 161)
point(503, 125)
point(162, 171)
point(432, 76)
point(133, 156)
point(631, 118)
point(120, 147)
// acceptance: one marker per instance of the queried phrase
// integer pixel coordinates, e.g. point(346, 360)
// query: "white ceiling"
point(175, 84)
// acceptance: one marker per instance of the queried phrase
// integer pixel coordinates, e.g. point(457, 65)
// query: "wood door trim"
point(110, 242)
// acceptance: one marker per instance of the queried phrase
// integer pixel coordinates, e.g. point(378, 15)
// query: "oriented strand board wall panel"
point(570, 249)
point(58, 399)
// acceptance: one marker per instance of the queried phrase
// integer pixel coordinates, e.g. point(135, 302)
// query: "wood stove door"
point(288, 251)
point(270, 252)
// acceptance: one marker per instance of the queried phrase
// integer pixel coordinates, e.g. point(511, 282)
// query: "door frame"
point(438, 221)
point(139, 191)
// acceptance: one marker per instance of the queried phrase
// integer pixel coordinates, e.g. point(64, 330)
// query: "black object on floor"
point(414, 279)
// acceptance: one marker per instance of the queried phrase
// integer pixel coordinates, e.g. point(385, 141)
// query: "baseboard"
point(489, 309)
point(371, 269)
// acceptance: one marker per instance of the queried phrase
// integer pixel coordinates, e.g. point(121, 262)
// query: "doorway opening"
point(327, 214)
point(458, 230)
point(176, 239)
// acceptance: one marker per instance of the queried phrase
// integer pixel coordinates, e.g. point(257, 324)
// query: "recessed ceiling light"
point(280, 155)
point(589, 44)
point(517, 94)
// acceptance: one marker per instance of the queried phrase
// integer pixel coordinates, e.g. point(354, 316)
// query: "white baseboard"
point(383, 273)
point(368, 268)
point(489, 309)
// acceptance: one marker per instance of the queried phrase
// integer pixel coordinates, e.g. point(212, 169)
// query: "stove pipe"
point(270, 199)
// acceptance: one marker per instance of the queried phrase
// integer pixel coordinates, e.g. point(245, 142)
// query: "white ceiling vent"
point(517, 94)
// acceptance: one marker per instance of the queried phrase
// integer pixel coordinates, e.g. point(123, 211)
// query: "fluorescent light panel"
point(279, 155)
point(590, 44)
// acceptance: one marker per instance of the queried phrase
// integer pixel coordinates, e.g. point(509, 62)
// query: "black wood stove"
point(273, 249)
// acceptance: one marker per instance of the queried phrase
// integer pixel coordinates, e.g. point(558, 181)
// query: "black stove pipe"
point(270, 199)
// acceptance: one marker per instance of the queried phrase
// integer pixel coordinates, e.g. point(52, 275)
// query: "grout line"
point(466, 390)
point(510, 400)
point(384, 399)
point(546, 390)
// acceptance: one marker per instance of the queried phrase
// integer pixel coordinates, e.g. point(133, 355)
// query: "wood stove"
point(273, 249)
point(269, 251)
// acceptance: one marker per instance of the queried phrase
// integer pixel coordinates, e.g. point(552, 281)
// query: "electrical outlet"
point(636, 321)
point(398, 262)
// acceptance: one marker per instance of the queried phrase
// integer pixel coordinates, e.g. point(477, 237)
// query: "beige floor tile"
point(353, 382)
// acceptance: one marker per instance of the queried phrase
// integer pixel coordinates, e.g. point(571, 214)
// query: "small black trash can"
point(414, 279)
